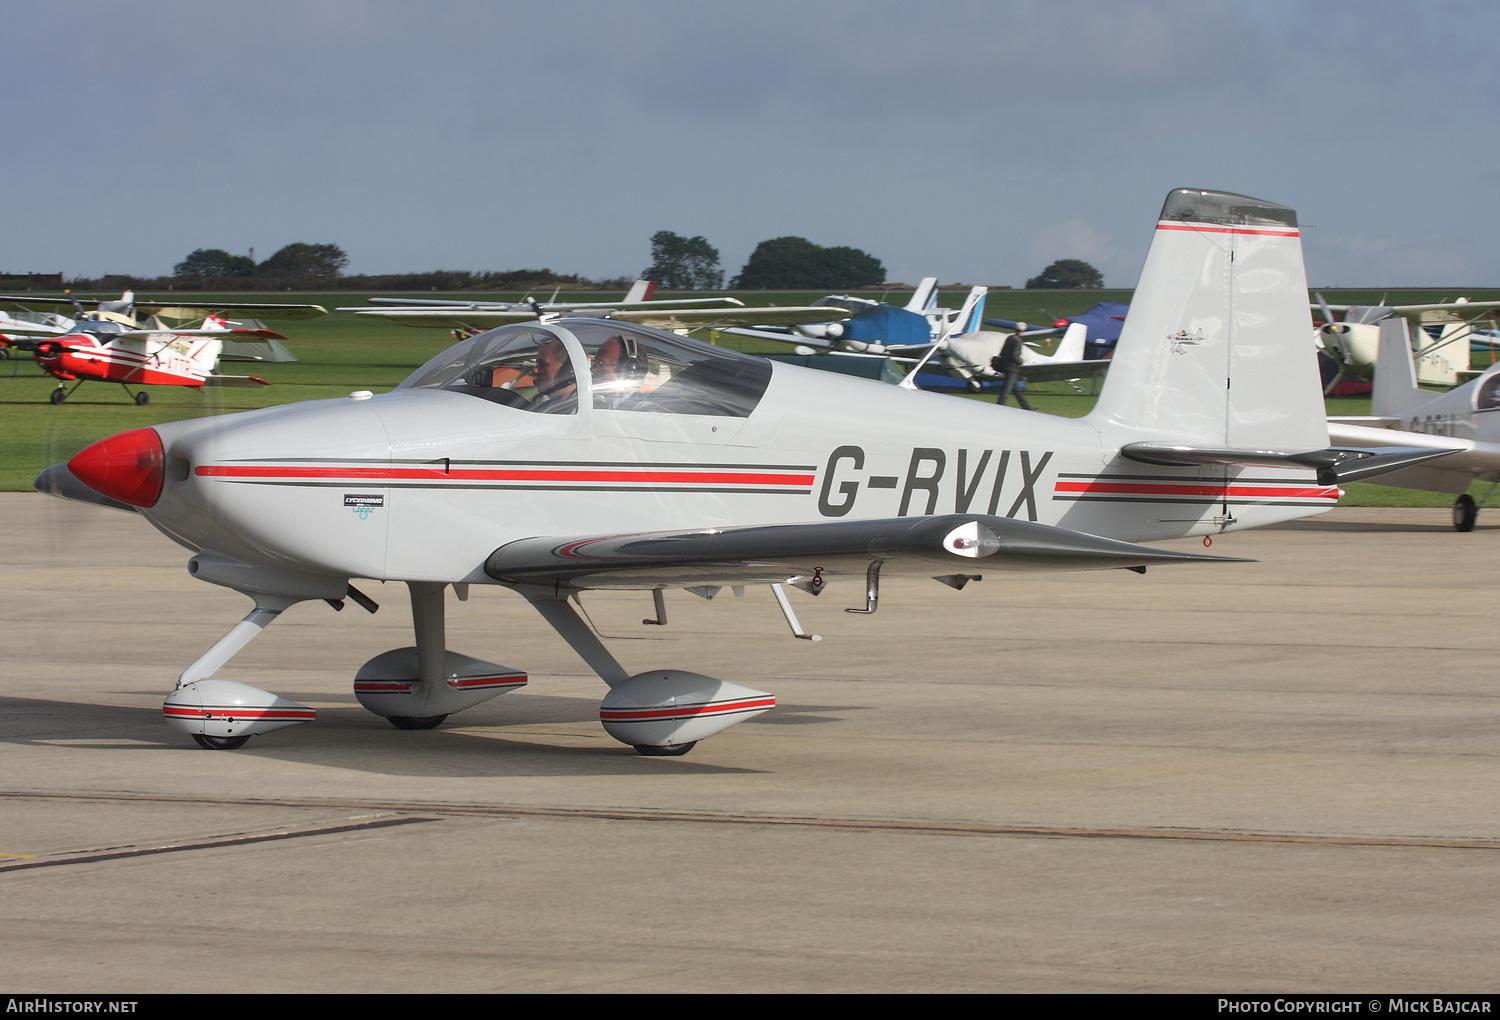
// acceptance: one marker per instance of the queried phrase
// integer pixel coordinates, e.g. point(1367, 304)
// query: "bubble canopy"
point(556, 367)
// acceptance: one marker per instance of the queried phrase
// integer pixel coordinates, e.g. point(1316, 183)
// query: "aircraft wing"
point(662, 318)
point(235, 380)
point(200, 309)
point(222, 334)
point(28, 303)
point(786, 338)
point(16, 329)
point(939, 546)
point(1458, 312)
point(447, 318)
point(697, 317)
point(1052, 371)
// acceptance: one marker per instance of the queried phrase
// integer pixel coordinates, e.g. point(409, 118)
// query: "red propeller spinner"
point(127, 466)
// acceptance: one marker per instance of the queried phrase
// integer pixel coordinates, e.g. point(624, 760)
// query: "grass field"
point(340, 353)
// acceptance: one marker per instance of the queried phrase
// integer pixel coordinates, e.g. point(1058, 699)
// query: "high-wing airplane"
point(1465, 420)
point(465, 318)
point(108, 344)
point(556, 458)
point(1441, 333)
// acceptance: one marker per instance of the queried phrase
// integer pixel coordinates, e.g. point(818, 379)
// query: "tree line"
point(782, 263)
point(677, 263)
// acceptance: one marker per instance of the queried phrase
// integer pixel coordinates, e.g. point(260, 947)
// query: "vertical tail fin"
point(205, 353)
point(1216, 348)
point(925, 296)
point(971, 315)
point(1395, 390)
point(640, 290)
point(1070, 347)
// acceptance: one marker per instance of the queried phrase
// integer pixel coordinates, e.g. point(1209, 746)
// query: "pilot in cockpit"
point(556, 385)
point(619, 369)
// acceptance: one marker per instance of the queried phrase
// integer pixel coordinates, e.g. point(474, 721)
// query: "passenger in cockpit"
point(619, 369)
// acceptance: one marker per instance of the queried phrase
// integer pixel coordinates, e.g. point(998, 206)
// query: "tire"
point(58, 395)
point(974, 385)
point(219, 743)
point(664, 751)
point(142, 399)
point(1465, 513)
point(415, 722)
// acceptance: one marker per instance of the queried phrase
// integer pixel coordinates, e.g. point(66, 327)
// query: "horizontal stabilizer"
point(1335, 464)
point(775, 554)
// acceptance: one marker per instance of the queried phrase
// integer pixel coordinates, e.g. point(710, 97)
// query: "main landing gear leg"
point(430, 626)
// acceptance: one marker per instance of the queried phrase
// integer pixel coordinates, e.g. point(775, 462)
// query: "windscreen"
point(518, 366)
point(651, 371)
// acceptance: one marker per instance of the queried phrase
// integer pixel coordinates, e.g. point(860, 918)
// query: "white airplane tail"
point(924, 297)
point(971, 315)
point(1395, 391)
point(1070, 347)
point(204, 354)
point(1215, 350)
point(640, 290)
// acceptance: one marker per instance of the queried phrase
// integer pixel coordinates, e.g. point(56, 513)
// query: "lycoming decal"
point(363, 505)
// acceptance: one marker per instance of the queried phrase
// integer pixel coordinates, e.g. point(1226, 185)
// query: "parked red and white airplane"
point(559, 457)
point(107, 344)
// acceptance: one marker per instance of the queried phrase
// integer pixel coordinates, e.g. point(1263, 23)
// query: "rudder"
point(1217, 348)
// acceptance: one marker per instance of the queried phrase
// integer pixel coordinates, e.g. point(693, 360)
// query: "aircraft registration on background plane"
point(1465, 420)
point(556, 458)
point(466, 318)
point(109, 344)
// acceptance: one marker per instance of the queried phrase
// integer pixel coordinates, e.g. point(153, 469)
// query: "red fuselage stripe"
point(1137, 489)
point(501, 475)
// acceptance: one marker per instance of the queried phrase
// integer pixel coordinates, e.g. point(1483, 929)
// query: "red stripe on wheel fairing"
point(683, 711)
point(238, 712)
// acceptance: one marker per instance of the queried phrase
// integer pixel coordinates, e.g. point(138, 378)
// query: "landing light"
point(127, 467)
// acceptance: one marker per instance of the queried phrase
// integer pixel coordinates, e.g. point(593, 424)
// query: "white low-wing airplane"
point(559, 457)
point(1465, 420)
point(971, 356)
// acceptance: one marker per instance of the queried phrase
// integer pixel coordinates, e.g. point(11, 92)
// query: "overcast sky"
point(977, 141)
